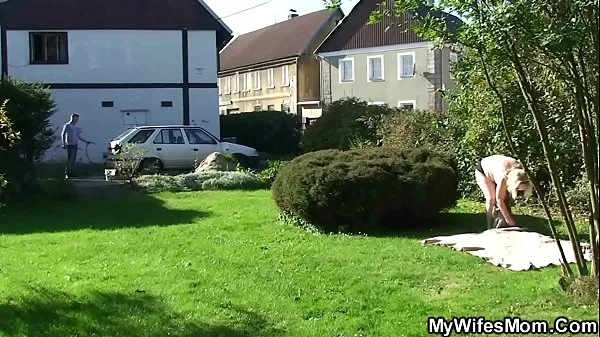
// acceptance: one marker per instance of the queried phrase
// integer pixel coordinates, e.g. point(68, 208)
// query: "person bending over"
point(496, 175)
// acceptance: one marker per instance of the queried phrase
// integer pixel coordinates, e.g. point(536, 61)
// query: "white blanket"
point(512, 248)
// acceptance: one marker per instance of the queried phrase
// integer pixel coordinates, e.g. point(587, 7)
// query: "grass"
point(221, 264)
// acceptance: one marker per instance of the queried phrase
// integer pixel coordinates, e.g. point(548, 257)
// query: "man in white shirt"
point(70, 136)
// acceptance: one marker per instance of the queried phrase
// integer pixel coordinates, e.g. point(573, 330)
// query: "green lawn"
point(220, 264)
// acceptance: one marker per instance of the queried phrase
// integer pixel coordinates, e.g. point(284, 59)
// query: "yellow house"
point(275, 68)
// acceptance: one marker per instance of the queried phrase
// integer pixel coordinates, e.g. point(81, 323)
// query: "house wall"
point(99, 124)
point(447, 78)
point(133, 69)
point(308, 78)
point(391, 89)
point(264, 96)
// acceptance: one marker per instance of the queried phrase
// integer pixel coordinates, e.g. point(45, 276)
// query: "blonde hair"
point(514, 178)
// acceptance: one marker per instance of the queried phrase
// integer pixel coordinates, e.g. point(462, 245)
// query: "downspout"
point(319, 58)
point(294, 90)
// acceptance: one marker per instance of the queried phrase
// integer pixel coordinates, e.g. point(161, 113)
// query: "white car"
point(167, 147)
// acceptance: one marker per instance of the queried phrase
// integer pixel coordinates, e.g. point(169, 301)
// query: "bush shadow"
point(131, 211)
point(53, 313)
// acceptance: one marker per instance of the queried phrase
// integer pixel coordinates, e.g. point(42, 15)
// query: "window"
point(285, 107)
point(453, 61)
point(406, 65)
point(198, 136)
point(346, 68)
point(233, 111)
point(285, 75)
point(166, 104)
point(169, 136)
point(257, 107)
point(375, 68)
point(245, 82)
point(108, 104)
point(376, 103)
point(49, 48)
point(141, 137)
point(271, 107)
point(256, 80)
point(236, 83)
point(270, 81)
point(227, 88)
point(407, 105)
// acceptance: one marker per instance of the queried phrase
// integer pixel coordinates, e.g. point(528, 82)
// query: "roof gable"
point(288, 38)
point(111, 14)
point(355, 32)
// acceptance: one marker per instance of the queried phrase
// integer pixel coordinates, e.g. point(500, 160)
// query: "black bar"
point(186, 80)
point(4, 51)
point(129, 85)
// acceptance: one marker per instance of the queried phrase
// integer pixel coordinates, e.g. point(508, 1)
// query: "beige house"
point(274, 68)
point(384, 63)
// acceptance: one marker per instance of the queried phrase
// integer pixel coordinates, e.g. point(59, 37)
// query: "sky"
point(265, 13)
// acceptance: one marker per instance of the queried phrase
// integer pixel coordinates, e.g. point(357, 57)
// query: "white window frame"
point(285, 75)
point(413, 102)
point(340, 71)
point(369, 79)
point(401, 65)
point(248, 81)
point(237, 83)
point(257, 80)
point(227, 85)
point(270, 78)
point(452, 56)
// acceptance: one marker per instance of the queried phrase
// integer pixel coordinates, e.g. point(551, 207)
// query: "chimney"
point(292, 14)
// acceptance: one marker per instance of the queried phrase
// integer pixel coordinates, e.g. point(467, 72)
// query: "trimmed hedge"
point(271, 132)
point(211, 180)
point(367, 190)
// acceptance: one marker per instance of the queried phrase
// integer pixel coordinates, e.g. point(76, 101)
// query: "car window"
point(141, 137)
point(169, 136)
point(198, 136)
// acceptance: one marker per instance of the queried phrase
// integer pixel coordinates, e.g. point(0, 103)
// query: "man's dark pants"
point(71, 159)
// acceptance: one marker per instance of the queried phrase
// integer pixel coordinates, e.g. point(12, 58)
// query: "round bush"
point(366, 190)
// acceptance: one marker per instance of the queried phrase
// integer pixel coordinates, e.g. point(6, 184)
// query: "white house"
point(117, 63)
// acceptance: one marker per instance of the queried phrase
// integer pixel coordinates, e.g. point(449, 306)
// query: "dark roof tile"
point(111, 14)
point(355, 32)
point(279, 41)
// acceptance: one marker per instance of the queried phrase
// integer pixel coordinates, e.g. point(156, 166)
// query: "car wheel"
point(150, 166)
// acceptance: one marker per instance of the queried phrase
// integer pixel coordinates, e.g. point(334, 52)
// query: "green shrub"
point(424, 129)
point(28, 108)
point(578, 195)
point(342, 123)
point(268, 175)
point(211, 180)
point(272, 132)
point(366, 190)
point(8, 136)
